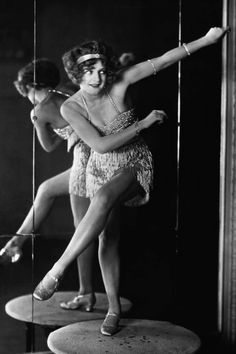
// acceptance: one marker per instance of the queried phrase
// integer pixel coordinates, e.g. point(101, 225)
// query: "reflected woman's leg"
point(46, 194)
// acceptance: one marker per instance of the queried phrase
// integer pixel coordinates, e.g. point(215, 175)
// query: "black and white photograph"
point(118, 177)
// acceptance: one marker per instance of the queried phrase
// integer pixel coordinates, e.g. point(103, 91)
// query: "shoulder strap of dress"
point(60, 92)
point(113, 103)
point(85, 105)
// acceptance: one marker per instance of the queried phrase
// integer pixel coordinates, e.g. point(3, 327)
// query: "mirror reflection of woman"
point(51, 130)
point(118, 170)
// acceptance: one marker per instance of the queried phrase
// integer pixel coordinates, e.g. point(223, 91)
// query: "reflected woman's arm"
point(47, 138)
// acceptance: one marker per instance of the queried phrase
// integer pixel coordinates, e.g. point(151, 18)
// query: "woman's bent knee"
point(45, 189)
point(104, 199)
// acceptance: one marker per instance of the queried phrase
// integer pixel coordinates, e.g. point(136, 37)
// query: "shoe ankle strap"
point(80, 296)
point(112, 314)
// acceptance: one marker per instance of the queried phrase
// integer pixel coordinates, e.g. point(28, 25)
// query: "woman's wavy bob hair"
point(76, 71)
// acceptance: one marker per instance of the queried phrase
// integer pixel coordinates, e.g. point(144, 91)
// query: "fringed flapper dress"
point(134, 156)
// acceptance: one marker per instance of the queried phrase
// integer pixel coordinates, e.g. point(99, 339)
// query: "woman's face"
point(94, 78)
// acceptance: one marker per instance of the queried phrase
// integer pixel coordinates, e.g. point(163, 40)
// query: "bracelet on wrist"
point(137, 128)
point(186, 48)
point(153, 66)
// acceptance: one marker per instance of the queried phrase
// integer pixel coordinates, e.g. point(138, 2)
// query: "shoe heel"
point(90, 301)
point(13, 255)
point(89, 308)
point(84, 302)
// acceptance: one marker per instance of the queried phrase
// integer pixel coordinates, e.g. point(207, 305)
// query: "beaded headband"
point(89, 56)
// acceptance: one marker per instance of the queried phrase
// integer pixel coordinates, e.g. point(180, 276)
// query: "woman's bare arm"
point(71, 112)
point(150, 67)
point(47, 139)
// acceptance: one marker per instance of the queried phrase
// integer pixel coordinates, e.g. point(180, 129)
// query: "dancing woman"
point(117, 171)
point(51, 130)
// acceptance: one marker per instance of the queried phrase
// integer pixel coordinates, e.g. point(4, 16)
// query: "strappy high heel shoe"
point(10, 254)
point(84, 302)
point(46, 288)
point(110, 325)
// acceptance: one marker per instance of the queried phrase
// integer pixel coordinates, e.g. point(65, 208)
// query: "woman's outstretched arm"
point(152, 66)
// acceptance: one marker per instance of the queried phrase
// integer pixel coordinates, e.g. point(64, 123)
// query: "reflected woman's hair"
point(46, 75)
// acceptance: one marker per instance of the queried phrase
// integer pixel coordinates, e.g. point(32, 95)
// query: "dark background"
point(169, 274)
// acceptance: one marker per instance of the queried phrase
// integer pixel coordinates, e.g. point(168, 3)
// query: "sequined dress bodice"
point(121, 121)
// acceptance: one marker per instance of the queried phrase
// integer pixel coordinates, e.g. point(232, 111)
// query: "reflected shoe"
point(46, 288)
point(10, 254)
point(84, 302)
point(111, 324)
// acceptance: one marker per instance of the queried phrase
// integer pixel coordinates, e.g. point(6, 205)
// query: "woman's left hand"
point(216, 33)
point(156, 116)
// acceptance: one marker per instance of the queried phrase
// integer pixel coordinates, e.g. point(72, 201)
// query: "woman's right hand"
point(156, 116)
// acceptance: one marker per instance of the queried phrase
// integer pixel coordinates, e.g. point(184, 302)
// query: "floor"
point(147, 279)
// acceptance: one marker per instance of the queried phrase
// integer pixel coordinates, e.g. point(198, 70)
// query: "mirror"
point(177, 286)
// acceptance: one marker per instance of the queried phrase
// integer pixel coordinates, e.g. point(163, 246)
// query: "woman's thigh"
point(121, 187)
point(57, 185)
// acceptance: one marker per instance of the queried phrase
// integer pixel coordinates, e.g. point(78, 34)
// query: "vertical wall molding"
point(227, 245)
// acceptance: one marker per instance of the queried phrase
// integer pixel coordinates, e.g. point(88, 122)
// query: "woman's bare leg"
point(79, 206)
point(46, 194)
point(110, 261)
point(123, 185)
